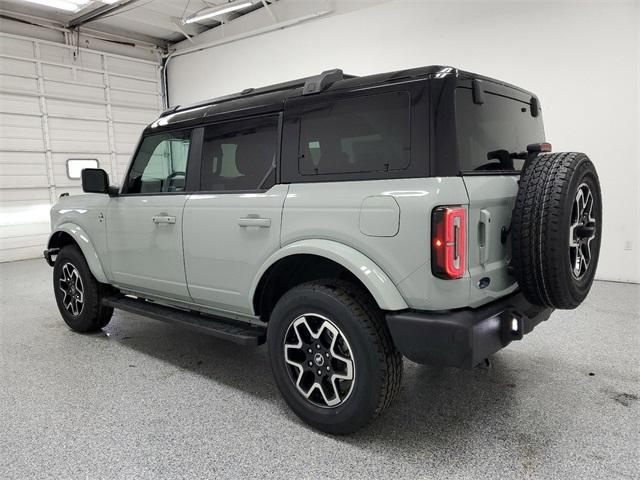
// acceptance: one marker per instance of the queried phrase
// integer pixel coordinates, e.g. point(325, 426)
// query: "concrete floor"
point(148, 400)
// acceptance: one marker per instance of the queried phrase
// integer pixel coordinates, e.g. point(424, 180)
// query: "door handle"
point(254, 222)
point(484, 236)
point(163, 219)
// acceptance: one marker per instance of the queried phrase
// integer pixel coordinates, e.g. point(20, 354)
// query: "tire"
point(78, 294)
point(376, 365)
point(556, 229)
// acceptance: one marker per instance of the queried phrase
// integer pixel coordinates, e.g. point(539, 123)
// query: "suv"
point(345, 221)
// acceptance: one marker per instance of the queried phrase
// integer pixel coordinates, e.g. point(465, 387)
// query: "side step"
point(236, 331)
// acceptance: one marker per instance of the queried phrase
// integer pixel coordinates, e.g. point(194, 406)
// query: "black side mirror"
point(95, 180)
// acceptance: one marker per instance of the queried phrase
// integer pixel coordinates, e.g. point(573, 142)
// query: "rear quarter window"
point(362, 134)
point(500, 123)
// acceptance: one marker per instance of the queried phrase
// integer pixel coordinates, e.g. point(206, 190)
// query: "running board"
point(237, 331)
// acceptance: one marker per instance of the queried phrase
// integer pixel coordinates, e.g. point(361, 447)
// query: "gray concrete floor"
point(148, 400)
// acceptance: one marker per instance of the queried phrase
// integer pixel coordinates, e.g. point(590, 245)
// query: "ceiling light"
point(218, 10)
point(67, 5)
point(109, 2)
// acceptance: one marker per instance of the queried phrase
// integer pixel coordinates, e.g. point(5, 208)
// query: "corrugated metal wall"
point(58, 103)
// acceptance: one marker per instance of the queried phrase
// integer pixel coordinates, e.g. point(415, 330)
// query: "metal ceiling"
point(151, 21)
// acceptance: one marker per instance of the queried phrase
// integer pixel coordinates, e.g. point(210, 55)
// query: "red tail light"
point(448, 242)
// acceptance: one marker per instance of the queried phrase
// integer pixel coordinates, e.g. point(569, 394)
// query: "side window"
point(161, 164)
point(363, 134)
point(239, 155)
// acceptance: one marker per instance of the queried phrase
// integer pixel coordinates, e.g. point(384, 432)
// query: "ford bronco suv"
point(346, 222)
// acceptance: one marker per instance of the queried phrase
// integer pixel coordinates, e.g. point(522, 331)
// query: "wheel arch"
point(69, 234)
point(289, 267)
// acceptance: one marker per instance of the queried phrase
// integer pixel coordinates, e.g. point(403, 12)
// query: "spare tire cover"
point(556, 228)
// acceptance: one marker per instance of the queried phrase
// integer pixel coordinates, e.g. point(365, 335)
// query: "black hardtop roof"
point(273, 96)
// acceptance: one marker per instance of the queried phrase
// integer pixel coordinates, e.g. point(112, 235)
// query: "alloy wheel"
point(319, 360)
point(71, 286)
point(582, 231)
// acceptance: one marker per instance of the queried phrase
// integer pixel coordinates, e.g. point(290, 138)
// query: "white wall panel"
point(56, 104)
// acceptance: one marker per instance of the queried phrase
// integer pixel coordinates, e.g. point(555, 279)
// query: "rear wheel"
point(78, 294)
point(556, 229)
point(332, 355)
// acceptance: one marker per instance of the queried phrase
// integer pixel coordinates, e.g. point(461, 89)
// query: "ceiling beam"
point(96, 13)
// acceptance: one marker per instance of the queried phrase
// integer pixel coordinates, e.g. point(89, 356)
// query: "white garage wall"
point(582, 59)
point(53, 107)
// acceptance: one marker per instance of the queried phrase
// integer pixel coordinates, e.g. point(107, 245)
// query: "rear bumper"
point(465, 337)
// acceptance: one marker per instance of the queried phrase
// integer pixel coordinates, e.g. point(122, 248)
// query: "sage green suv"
point(346, 222)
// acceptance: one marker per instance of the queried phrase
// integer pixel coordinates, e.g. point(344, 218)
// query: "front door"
point(144, 223)
point(233, 224)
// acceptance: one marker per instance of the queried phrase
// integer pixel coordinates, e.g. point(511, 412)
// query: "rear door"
point(232, 225)
point(488, 135)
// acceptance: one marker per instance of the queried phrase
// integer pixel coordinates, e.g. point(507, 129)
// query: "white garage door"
point(59, 104)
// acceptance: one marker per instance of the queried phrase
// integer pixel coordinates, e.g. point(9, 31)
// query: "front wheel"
point(332, 356)
point(78, 294)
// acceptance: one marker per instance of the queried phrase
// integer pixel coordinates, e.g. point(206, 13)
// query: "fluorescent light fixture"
point(109, 2)
point(218, 10)
point(66, 5)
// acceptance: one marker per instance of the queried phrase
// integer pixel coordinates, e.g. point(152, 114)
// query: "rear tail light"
point(448, 242)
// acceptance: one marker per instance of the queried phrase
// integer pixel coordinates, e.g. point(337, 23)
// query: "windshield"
point(491, 135)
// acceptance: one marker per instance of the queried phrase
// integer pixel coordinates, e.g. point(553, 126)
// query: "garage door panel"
point(21, 139)
point(86, 76)
point(74, 91)
point(64, 55)
point(19, 104)
point(133, 68)
point(140, 116)
point(19, 84)
point(59, 161)
point(23, 181)
point(116, 81)
point(34, 150)
point(13, 66)
point(25, 241)
point(17, 47)
point(64, 108)
point(15, 169)
point(15, 231)
point(11, 255)
point(22, 158)
point(23, 196)
point(20, 132)
point(135, 98)
point(25, 121)
point(78, 135)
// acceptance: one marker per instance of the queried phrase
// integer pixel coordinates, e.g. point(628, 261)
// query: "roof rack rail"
point(169, 110)
point(323, 81)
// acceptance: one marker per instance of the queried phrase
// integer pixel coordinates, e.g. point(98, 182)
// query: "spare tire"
point(556, 228)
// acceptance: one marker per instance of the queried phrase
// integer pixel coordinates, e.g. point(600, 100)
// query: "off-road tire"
point(378, 365)
point(541, 231)
point(93, 315)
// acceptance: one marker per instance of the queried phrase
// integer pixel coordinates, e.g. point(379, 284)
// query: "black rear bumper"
point(465, 337)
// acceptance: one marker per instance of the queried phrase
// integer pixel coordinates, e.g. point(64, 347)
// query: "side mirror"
point(95, 180)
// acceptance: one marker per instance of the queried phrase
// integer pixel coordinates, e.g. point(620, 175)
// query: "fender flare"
point(80, 236)
point(376, 281)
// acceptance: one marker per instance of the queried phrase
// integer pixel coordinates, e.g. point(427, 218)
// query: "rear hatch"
point(493, 130)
